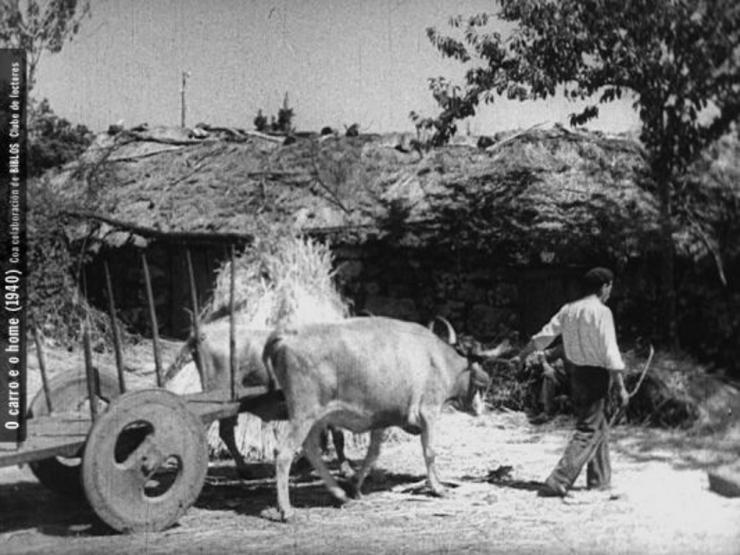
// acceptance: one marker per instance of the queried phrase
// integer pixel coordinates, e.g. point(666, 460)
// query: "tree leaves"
point(588, 113)
point(661, 51)
point(679, 59)
point(41, 26)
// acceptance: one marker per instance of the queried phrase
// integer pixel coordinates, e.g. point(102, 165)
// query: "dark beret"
point(596, 277)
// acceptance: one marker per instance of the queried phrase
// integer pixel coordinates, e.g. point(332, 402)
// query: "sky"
point(340, 61)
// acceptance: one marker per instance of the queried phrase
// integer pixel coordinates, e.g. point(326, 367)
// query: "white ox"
point(364, 374)
point(212, 350)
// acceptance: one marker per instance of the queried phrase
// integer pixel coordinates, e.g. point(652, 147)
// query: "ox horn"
point(451, 335)
point(497, 351)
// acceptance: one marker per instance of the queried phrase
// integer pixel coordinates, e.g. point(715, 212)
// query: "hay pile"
point(286, 280)
point(678, 392)
point(280, 280)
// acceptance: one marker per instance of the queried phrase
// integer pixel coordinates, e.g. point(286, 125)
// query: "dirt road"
point(662, 503)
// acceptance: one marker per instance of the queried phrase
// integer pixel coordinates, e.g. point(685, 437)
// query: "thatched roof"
point(544, 188)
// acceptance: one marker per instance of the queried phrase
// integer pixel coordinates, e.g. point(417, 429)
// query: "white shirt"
point(589, 339)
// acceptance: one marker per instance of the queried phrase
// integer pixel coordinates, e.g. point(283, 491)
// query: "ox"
point(215, 375)
point(364, 374)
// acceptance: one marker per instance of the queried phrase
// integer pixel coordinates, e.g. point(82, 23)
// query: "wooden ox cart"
point(139, 457)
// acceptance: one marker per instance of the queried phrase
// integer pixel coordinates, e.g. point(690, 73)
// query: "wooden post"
point(185, 75)
point(152, 319)
point(92, 389)
point(232, 326)
point(196, 319)
point(114, 328)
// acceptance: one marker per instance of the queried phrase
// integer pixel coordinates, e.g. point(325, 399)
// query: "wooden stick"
point(114, 327)
point(502, 142)
point(618, 414)
point(90, 372)
point(42, 366)
point(232, 326)
point(152, 319)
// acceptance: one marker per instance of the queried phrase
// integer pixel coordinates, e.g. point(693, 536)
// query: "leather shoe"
point(550, 489)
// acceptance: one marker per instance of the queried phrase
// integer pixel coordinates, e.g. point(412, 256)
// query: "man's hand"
point(617, 380)
point(520, 360)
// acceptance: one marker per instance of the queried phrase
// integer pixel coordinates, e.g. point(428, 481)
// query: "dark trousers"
point(590, 442)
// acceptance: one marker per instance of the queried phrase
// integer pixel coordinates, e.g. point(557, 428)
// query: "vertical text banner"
point(12, 245)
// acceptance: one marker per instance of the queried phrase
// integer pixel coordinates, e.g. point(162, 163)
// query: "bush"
point(55, 301)
point(709, 317)
point(676, 391)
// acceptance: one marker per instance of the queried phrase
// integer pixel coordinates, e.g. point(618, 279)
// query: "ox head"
point(474, 351)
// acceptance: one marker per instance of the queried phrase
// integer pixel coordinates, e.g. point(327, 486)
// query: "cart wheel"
point(68, 394)
point(145, 461)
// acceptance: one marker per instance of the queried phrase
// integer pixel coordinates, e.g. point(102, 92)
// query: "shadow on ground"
point(29, 505)
point(503, 477)
point(682, 449)
point(225, 490)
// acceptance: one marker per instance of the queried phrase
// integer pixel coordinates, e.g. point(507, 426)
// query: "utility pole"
point(185, 75)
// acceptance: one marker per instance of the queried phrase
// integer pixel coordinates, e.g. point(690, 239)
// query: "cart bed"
point(64, 434)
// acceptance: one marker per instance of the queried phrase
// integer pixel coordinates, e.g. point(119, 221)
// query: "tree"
point(283, 124)
point(37, 26)
point(679, 59)
point(260, 121)
point(285, 118)
point(52, 140)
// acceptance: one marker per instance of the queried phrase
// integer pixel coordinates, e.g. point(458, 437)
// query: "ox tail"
point(451, 335)
point(271, 345)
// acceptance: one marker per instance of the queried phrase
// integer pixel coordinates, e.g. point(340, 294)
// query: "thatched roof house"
point(544, 188)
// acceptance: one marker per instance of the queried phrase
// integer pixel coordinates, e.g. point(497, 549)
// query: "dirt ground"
point(661, 502)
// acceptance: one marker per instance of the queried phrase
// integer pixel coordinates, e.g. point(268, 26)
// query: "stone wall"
point(476, 295)
point(480, 296)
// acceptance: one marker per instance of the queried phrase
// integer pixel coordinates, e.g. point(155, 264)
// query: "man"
point(591, 351)
point(553, 378)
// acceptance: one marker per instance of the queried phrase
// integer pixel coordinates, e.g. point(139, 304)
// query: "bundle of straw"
point(289, 281)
